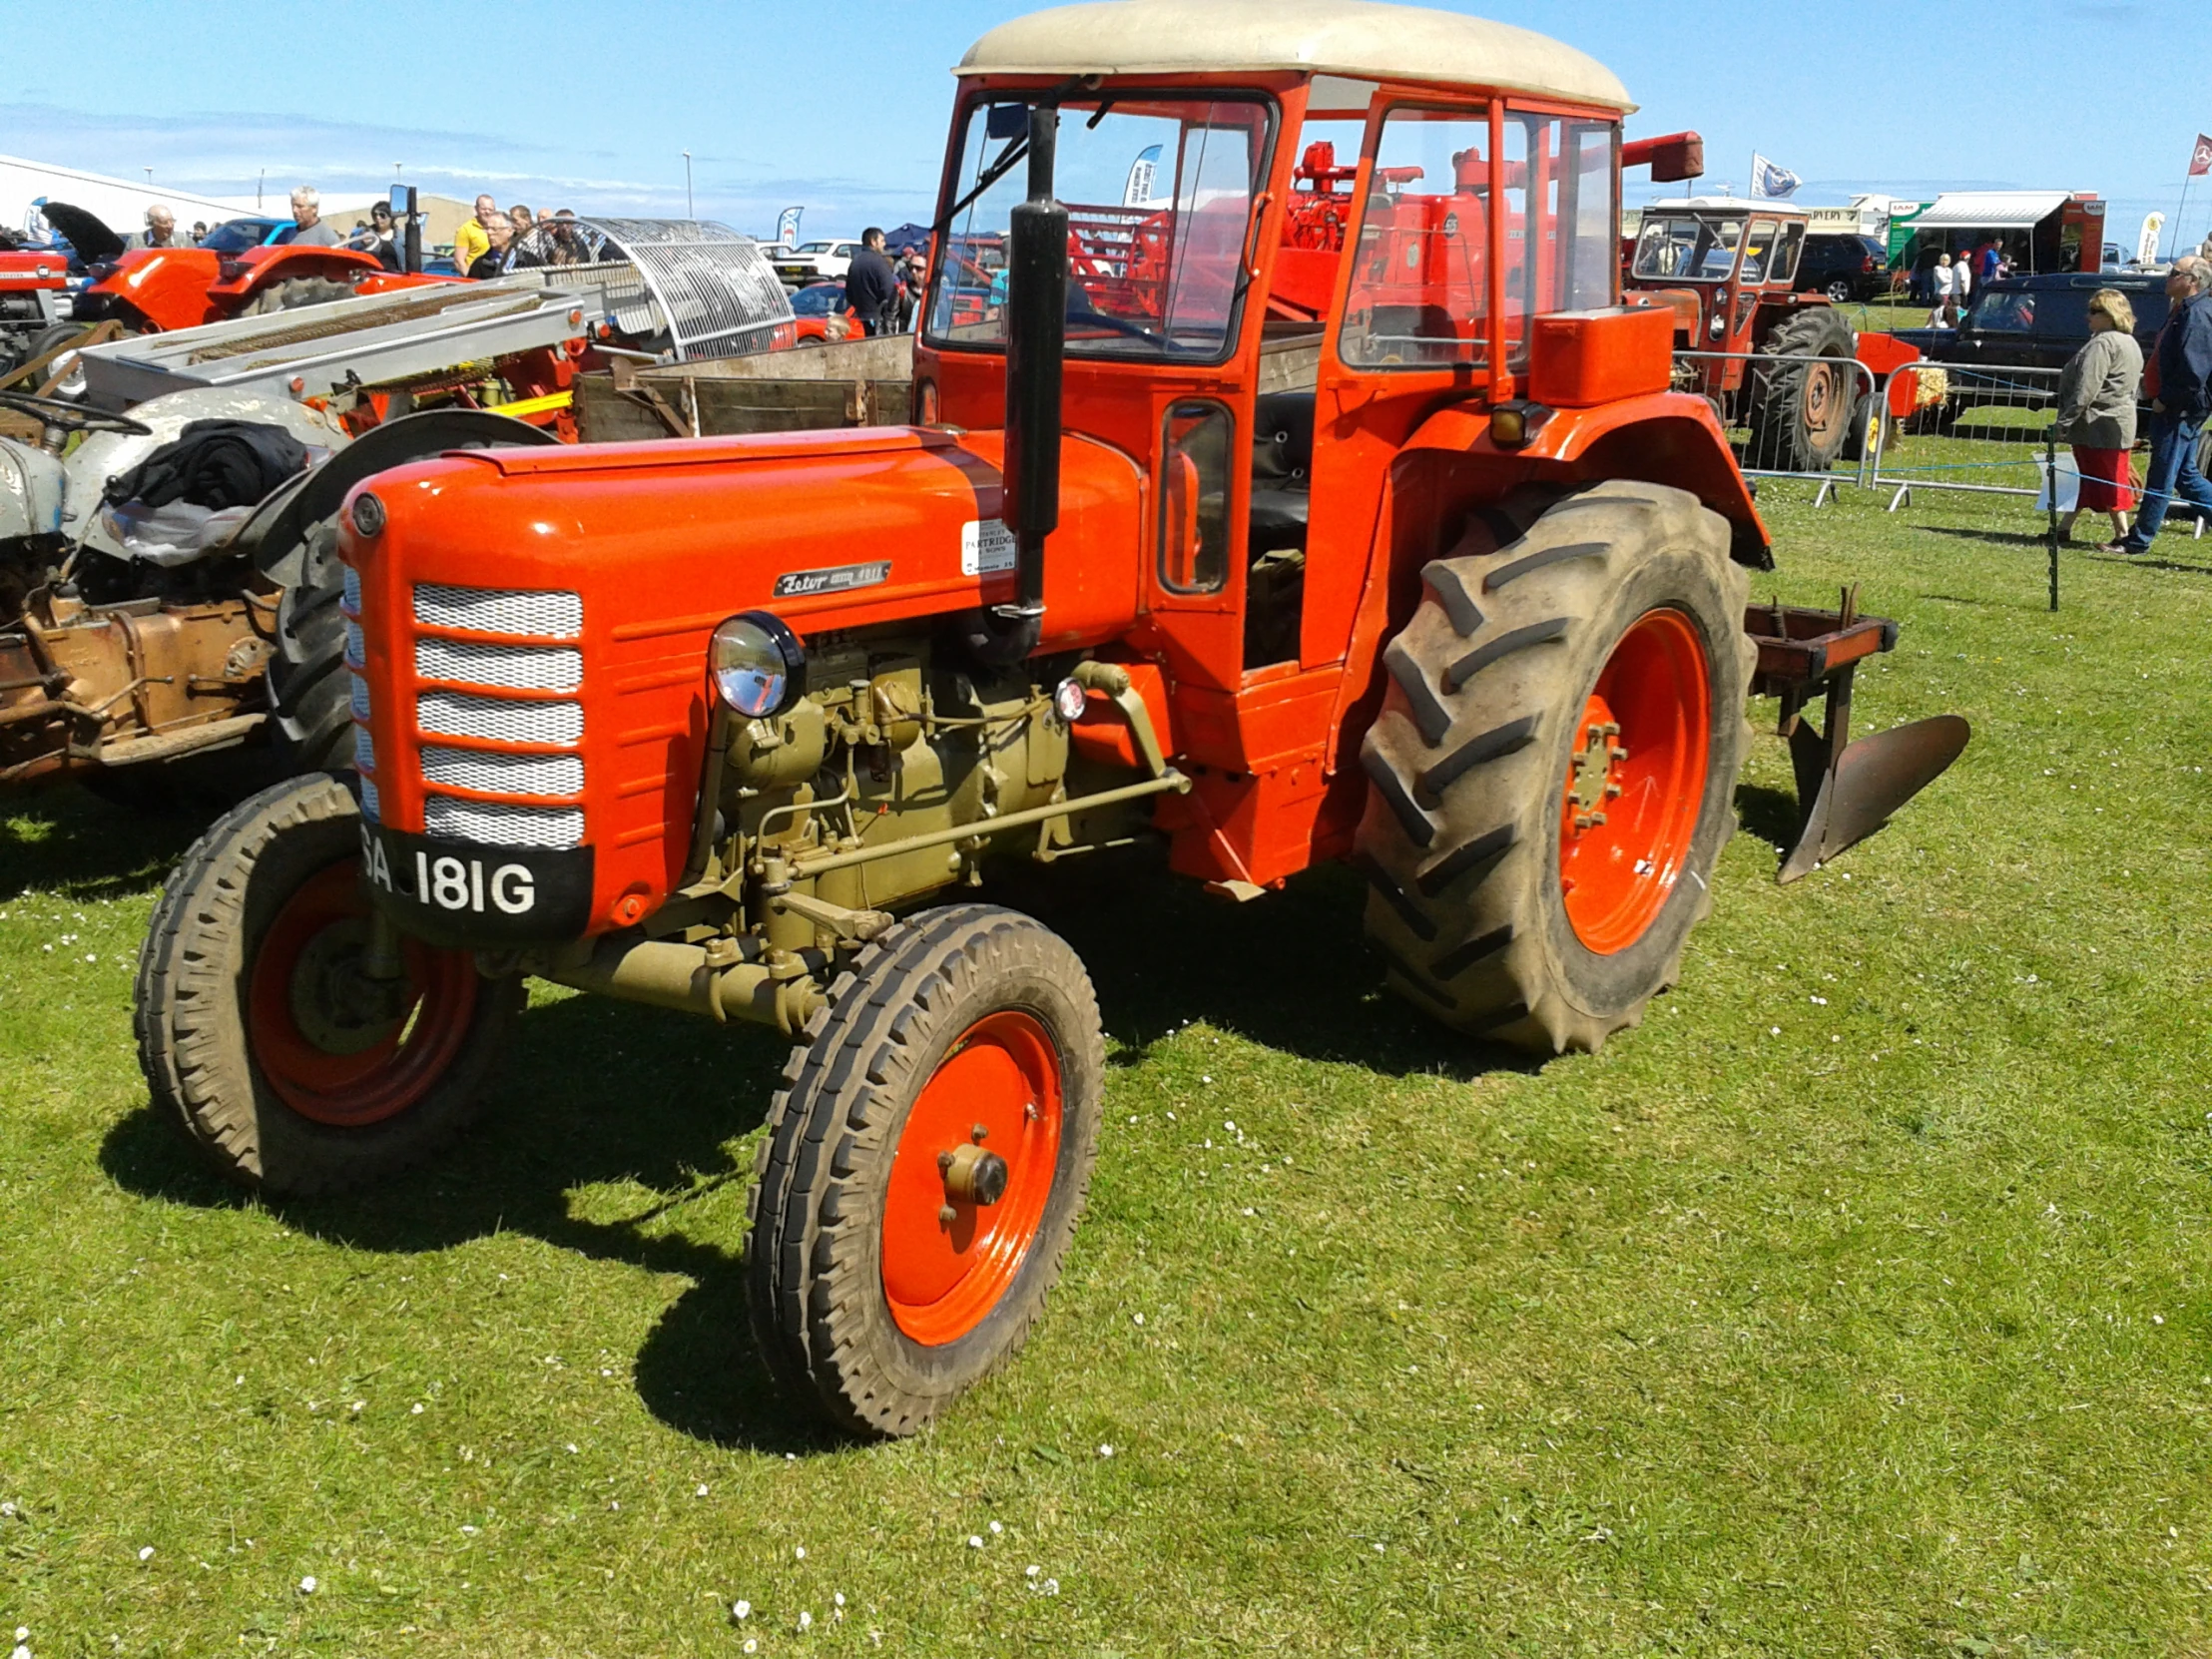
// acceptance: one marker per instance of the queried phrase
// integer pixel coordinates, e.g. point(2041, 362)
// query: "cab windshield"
point(1681, 248)
point(1159, 193)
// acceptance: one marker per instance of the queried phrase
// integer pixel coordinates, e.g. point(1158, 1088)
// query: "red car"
point(823, 316)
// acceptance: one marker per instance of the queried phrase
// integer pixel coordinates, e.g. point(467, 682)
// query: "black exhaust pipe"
point(1036, 339)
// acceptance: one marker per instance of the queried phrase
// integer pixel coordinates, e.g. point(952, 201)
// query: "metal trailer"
point(698, 287)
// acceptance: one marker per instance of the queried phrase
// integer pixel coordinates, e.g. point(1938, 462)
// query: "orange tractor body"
point(1282, 510)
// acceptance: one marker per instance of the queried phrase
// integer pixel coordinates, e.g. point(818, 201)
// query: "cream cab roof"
point(1350, 39)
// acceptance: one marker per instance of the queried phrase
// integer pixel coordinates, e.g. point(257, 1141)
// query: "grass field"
point(1857, 1304)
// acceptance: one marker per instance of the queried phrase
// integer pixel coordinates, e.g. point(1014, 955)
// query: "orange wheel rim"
point(942, 1275)
point(382, 1066)
point(1635, 782)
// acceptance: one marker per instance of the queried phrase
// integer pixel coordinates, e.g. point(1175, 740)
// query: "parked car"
point(816, 262)
point(2038, 321)
point(1844, 266)
point(823, 315)
point(236, 236)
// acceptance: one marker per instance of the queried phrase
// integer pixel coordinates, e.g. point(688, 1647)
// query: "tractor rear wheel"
point(924, 1167)
point(293, 293)
point(1554, 765)
point(308, 687)
point(293, 1068)
point(1800, 414)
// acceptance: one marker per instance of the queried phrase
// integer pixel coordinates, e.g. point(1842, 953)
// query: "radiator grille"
point(372, 805)
point(353, 590)
point(509, 667)
point(495, 824)
point(502, 773)
point(543, 614)
point(356, 647)
point(360, 697)
point(495, 719)
point(365, 750)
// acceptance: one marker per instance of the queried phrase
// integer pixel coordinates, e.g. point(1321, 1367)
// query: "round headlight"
point(757, 664)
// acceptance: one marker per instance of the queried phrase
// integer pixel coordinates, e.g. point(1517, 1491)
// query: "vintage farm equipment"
point(1726, 270)
point(1441, 579)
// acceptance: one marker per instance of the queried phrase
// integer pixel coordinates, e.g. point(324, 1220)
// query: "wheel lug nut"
point(979, 1134)
point(947, 1215)
point(944, 1161)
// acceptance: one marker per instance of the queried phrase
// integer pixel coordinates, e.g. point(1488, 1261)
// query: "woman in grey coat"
point(2096, 413)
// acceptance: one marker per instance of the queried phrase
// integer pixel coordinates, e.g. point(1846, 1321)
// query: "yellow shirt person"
point(471, 242)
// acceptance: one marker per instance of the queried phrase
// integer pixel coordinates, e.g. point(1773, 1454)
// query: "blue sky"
point(841, 106)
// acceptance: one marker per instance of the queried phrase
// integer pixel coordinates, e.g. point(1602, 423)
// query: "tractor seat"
point(1281, 469)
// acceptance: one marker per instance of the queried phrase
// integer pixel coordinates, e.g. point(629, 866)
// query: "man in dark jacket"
point(2184, 361)
point(872, 286)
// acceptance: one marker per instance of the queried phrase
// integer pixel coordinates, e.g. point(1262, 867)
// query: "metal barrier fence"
point(1791, 416)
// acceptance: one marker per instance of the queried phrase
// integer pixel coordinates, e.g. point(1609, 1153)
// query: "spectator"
point(475, 235)
point(310, 228)
point(2180, 381)
point(381, 236)
point(870, 287)
point(161, 227)
point(499, 236)
point(2096, 413)
point(1946, 293)
point(1962, 280)
point(913, 277)
point(1987, 260)
point(519, 217)
point(199, 232)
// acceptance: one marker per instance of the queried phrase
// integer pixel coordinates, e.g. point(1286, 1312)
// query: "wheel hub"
point(336, 1004)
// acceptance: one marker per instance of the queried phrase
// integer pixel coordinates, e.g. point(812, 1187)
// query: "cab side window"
point(1194, 496)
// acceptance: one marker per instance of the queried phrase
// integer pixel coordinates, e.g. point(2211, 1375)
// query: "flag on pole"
point(1771, 180)
point(786, 224)
point(2200, 158)
point(1137, 191)
point(2146, 239)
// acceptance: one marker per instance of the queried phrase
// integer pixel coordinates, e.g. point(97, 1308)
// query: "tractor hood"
point(830, 529)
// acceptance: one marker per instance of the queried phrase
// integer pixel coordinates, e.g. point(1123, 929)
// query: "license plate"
point(478, 897)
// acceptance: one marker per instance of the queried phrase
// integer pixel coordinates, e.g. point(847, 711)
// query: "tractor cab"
point(1722, 263)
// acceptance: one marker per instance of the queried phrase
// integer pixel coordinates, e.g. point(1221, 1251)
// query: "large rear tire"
point(889, 1267)
point(1528, 881)
point(1800, 414)
point(310, 689)
point(291, 1070)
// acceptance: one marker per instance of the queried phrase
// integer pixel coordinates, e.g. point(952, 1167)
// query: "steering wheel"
point(72, 418)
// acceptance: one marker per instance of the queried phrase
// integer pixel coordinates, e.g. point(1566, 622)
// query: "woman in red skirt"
point(2096, 413)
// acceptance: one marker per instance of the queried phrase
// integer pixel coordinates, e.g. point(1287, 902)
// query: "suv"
point(1844, 265)
point(2038, 321)
point(816, 262)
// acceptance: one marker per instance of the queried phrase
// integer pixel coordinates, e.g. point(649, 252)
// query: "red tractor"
point(1439, 578)
point(1726, 269)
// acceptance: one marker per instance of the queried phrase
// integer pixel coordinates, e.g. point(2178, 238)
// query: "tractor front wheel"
point(924, 1167)
point(1553, 771)
point(295, 1065)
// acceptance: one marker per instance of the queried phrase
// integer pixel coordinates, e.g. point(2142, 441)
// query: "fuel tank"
point(528, 634)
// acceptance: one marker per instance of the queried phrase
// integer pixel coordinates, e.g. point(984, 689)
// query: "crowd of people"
point(2102, 388)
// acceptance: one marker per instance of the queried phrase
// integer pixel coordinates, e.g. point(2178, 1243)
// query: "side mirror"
point(402, 201)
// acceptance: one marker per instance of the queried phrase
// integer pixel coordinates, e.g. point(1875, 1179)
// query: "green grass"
point(1857, 1304)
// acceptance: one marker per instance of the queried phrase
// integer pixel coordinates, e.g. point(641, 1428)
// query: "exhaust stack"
point(1036, 338)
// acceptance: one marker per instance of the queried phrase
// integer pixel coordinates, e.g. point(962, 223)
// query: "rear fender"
point(167, 288)
point(1662, 438)
point(267, 266)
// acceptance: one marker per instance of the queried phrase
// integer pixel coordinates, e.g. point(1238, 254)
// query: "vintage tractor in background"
point(34, 288)
point(1726, 270)
point(1435, 575)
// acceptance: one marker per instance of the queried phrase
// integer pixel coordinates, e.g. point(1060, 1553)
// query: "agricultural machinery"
point(1435, 575)
point(34, 285)
point(1726, 271)
point(151, 656)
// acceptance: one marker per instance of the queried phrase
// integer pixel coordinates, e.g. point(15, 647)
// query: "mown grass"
point(1855, 1305)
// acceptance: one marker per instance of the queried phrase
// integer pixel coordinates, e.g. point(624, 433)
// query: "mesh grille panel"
point(360, 697)
point(470, 768)
point(495, 824)
point(372, 806)
point(549, 615)
point(357, 649)
point(512, 667)
point(353, 590)
point(365, 750)
point(458, 715)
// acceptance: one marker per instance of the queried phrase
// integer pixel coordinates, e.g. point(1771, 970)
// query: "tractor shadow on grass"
point(65, 841)
point(595, 1094)
point(590, 1094)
